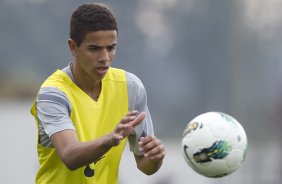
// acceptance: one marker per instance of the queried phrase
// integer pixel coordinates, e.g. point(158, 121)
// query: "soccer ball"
point(214, 144)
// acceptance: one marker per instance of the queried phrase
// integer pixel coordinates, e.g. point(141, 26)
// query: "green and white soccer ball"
point(214, 144)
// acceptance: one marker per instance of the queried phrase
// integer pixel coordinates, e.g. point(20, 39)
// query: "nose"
point(104, 55)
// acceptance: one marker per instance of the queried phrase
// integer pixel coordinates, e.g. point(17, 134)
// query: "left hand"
point(152, 148)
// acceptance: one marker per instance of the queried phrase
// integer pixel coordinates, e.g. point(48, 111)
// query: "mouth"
point(102, 70)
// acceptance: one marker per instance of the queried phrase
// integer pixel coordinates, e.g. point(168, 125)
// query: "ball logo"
point(219, 150)
point(191, 127)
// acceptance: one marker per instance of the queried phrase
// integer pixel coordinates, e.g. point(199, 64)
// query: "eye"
point(111, 48)
point(94, 48)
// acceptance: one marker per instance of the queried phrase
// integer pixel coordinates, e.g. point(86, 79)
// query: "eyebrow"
point(98, 46)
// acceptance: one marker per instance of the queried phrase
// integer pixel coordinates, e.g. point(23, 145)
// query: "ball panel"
point(234, 159)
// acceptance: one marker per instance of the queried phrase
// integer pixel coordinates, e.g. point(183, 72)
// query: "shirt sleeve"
point(137, 98)
point(53, 110)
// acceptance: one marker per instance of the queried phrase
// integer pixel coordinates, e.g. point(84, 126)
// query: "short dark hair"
point(91, 17)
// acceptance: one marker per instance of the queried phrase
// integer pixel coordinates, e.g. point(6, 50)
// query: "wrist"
point(110, 140)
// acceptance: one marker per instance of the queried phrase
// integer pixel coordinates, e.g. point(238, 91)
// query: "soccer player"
point(86, 111)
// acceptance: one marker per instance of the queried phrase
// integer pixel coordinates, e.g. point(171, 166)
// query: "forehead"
point(100, 38)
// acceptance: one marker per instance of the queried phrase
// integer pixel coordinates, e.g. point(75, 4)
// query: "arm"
point(53, 109)
point(149, 158)
point(75, 154)
point(154, 154)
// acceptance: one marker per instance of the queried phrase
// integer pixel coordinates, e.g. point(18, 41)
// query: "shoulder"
point(115, 74)
point(51, 91)
point(132, 78)
point(137, 97)
point(133, 81)
point(59, 79)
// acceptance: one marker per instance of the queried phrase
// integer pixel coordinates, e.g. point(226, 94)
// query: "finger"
point(132, 113)
point(121, 127)
point(127, 119)
point(150, 145)
point(159, 156)
point(118, 137)
point(138, 119)
point(157, 152)
point(147, 139)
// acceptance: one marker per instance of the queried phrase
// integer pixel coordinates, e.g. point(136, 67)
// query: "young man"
point(86, 111)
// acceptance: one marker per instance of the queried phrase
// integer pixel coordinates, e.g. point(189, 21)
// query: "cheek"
point(112, 55)
point(89, 57)
point(86, 61)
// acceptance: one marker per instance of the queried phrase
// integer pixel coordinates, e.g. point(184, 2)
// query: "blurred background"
point(193, 56)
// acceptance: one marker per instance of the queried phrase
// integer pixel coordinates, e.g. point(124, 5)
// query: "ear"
point(72, 47)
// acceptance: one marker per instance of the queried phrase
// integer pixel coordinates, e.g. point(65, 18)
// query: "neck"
point(92, 87)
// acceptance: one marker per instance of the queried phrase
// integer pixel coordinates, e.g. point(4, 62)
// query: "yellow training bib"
point(92, 119)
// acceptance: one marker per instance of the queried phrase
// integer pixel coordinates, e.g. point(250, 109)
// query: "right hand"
point(126, 127)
